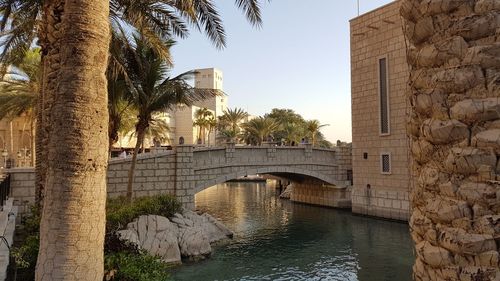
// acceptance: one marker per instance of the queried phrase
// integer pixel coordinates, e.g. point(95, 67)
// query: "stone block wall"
point(376, 35)
point(188, 170)
point(390, 204)
point(317, 193)
point(22, 187)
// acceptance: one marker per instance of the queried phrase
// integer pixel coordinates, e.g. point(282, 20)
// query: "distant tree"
point(203, 120)
point(291, 125)
point(19, 92)
point(313, 130)
point(258, 129)
point(230, 123)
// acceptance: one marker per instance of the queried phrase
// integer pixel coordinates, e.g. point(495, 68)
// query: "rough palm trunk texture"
point(454, 55)
point(73, 218)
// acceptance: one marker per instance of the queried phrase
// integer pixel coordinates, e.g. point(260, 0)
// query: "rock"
point(432, 255)
point(476, 110)
point(219, 230)
point(156, 235)
point(460, 242)
point(443, 132)
point(287, 192)
point(129, 235)
point(193, 243)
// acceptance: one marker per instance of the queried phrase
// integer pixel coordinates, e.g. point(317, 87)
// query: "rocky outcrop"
point(186, 235)
point(156, 235)
point(287, 192)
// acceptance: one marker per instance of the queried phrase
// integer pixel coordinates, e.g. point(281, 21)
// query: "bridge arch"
point(271, 170)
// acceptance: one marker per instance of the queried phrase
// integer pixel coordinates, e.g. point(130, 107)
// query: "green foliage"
point(126, 266)
point(119, 212)
point(26, 254)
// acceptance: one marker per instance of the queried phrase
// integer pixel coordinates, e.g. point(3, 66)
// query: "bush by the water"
point(122, 260)
point(119, 211)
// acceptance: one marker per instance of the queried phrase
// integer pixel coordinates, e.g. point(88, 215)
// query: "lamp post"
point(4, 155)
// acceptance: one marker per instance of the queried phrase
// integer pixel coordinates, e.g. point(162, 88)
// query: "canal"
point(279, 240)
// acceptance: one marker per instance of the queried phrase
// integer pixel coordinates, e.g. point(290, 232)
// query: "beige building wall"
point(211, 78)
point(375, 35)
point(16, 140)
point(182, 126)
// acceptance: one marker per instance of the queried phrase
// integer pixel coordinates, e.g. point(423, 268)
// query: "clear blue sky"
point(298, 60)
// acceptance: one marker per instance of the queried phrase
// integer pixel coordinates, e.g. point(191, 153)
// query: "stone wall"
point(22, 187)
point(317, 193)
point(390, 204)
point(375, 35)
point(188, 170)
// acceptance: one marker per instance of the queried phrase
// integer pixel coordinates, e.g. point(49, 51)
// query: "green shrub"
point(119, 212)
point(125, 266)
point(123, 261)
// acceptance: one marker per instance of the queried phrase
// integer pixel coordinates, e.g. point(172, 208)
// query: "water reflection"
point(279, 240)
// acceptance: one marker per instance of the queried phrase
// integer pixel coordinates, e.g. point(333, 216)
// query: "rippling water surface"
point(280, 240)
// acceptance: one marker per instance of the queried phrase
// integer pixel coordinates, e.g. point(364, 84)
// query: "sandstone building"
point(379, 75)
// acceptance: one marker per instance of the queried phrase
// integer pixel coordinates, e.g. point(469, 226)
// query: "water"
point(279, 240)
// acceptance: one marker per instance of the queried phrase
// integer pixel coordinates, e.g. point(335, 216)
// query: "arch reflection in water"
point(280, 240)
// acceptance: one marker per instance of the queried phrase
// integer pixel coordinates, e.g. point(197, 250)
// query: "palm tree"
point(230, 122)
point(211, 126)
point(312, 129)
point(293, 132)
point(258, 129)
point(25, 23)
point(19, 91)
point(75, 55)
point(452, 52)
point(72, 110)
point(201, 121)
point(152, 91)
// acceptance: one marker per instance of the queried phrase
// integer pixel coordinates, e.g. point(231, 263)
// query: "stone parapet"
point(188, 170)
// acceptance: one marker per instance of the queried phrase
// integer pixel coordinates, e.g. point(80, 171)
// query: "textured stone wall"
point(454, 53)
point(375, 35)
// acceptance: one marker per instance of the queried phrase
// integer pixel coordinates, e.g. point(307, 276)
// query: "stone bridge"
point(187, 170)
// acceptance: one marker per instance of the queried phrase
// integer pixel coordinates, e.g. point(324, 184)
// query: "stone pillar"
point(230, 148)
point(271, 153)
point(184, 176)
point(308, 150)
point(343, 156)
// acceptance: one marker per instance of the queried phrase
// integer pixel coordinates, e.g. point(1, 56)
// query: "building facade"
point(379, 75)
point(181, 119)
point(16, 142)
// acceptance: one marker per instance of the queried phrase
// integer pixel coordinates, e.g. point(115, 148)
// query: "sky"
point(299, 59)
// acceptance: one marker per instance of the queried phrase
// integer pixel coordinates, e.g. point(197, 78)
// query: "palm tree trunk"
point(140, 140)
point(454, 97)
point(73, 217)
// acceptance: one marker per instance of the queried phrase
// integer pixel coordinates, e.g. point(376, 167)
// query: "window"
point(365, 155)
point(385, 163)
point(383, 96)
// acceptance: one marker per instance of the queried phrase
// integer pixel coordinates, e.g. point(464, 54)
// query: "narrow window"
point(385, 163)
point(383, 96)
